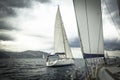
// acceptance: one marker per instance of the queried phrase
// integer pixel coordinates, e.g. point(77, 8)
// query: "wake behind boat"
point(62, 52)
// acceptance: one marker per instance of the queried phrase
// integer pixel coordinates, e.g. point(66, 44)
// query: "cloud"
point(113, 11)
point(6, 11)
point(35, 35)
point(113, 44)
point(6, 6)
point(5, 26)
point(75, 42)
point(109, 44)
point(16, 3)
point(118, 1)
point(111, 24)
point(5, 37)
point(43, 1)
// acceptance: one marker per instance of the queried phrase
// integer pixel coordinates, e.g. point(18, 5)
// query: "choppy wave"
point(35, 69)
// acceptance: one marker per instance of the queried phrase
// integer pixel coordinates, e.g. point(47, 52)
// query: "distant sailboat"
point(61, 45)
point(43, 56)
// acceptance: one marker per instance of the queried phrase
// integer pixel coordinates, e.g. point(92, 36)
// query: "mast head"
point(58, 7)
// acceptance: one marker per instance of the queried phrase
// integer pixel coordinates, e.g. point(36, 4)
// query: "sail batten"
point(89, 19)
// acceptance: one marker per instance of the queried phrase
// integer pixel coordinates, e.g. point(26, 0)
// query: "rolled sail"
point(89, 20)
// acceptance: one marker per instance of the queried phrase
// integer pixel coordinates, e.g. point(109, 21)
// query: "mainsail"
point(61, 44)
point(89, 20)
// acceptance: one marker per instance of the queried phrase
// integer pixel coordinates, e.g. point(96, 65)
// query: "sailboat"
point(61, 46)
point(89, 23)
point(43, 56)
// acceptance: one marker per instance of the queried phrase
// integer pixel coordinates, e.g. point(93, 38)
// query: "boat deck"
point(114, 71)
point(110, 73)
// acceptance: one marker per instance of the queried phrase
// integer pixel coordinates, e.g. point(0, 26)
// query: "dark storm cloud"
point(7, 5)
point(16, 3)
point(5, 26)
point(118, 1)
point(75, 43)
point(112, 44)
point(43, 1)
point(113, 12)
point(112, 8)
point(6, 11)
point(5, 37)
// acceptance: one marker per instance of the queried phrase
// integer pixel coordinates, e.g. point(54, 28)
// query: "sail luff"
point(89, 17)
point(81, 45)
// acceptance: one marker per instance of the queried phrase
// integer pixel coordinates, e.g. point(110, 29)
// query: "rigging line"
point(86, 13)
point(101, 24)
point(87, 26)
point(91, 59)
point(98, 38)
point(87, 69)
point(112, 18)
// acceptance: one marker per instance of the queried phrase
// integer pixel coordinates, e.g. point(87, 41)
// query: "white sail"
point(89, 19)
point(61, 43)
point(58, 35)
point(66, 44)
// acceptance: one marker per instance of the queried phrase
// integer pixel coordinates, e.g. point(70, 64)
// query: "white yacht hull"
point(60, 62)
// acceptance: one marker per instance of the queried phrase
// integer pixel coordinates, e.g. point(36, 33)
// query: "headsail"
point(66, 44)
point(89, 19)
point(60, 39)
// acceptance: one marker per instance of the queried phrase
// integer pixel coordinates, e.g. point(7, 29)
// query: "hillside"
point(25, 54)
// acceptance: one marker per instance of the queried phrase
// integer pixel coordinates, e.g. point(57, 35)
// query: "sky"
point(29, 24)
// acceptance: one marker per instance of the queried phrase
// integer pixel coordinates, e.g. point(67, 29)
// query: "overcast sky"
point(29, 24)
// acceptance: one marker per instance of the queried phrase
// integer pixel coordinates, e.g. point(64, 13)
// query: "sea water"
point(35, 69)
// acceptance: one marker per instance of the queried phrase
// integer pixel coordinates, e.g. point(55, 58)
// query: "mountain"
point(25, 54)
point(3, 55)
